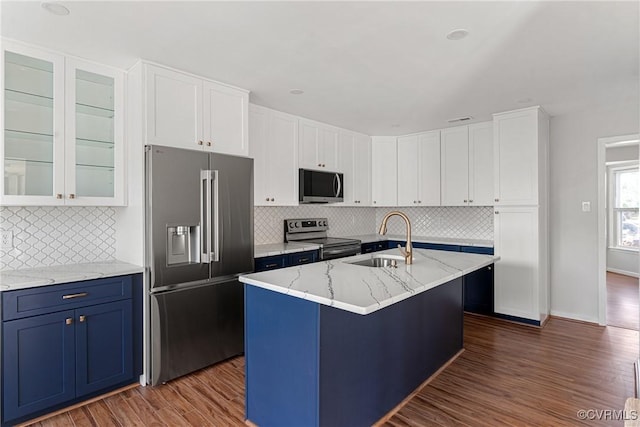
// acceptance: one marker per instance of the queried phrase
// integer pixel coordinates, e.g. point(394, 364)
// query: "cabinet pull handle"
point(208, 143)
point(496, 200)
point(78, 295)
point(465, 201)
point(68, 321)
point(470, 201)
point(82, 318)
point(319, 164)
point(200, 142)
point(496, 212)
point(58, 196)
point(303, 260)
point(72, 196)
point(270, 265)
point(273, 200)
point(489, 268)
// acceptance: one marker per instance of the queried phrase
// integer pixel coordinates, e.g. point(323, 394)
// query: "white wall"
point(573, 233)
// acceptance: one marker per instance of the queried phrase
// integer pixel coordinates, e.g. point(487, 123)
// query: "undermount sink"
point(380, 261)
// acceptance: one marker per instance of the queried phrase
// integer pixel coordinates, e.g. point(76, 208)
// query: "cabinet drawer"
point(48, 299)
point(477, 250)
point(303, 258)
point(270, 262)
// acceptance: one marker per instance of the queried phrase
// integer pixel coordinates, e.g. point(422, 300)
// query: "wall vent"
point(460, 119)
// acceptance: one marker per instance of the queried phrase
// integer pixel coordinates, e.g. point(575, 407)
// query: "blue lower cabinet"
point(281, 261)
point(104, 346)
point(38, 363)
point(478, 291)
point(270, 262)
point(299, 258)
point(366, 248)
point(56, 359)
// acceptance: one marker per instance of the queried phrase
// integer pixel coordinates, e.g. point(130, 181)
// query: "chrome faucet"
point(408, 251)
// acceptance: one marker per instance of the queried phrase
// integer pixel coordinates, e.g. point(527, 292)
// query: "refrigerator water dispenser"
point(183, 244)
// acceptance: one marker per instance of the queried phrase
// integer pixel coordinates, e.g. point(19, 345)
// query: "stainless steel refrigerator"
point(199, 232)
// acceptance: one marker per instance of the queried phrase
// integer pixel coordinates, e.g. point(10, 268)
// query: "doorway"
point(618, 231)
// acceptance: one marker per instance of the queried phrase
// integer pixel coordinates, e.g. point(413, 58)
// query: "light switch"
point(586, 206)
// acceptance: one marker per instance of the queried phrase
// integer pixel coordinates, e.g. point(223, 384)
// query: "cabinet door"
point(429, 169)
point(408, 166)
point(328, 149)
point(259, 150)
point(346, 165)
point(224, 117)
point(478, 291)
point(283, 159)
point(361, 182)
point(94, 151)
point(308, 157)
point(32, 147)
point(38, 363)
point(174, 108)
point(455, 166)
point(517, 273)
point(481, 164)
point(516, 157)
point(384, 171)
point(104, 346)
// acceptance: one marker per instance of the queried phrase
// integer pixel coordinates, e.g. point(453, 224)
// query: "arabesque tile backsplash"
point(57, 235)
point(44, 236)
point(453, 222)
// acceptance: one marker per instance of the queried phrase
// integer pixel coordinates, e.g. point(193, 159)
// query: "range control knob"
point(324, 223)
point(298, 225)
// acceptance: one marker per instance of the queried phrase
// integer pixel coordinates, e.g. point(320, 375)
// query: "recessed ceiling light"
point(55, 8)
point(296, 91)
point(458, 34)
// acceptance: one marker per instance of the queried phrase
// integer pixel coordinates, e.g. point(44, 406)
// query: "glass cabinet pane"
point(28, 120)
point(94, 135)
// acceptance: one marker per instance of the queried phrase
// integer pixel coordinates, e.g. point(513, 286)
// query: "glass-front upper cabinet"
point(33, 123)
point(63, 130)
point(94, 133)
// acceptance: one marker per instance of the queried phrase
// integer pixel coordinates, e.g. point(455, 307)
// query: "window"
point(624, 221)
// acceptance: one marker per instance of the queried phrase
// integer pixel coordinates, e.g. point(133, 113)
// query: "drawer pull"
point(68, 321)
point(303, 260)
point(270, 265)
point(79, 295)
point(82, 318)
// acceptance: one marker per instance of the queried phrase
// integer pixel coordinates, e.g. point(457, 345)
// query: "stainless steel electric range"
point(314, 230)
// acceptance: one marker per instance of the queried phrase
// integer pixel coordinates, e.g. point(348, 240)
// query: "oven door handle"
point(339, 251)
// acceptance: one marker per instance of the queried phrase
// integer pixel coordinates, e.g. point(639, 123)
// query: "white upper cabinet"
point(63, 139)
point(187, 111)
point(520, 151)
point(481, 164)
point(318, 146)
point(467, 165)
point(354, 161)
point(384, 171)
point(273, 142)
point(419, 169)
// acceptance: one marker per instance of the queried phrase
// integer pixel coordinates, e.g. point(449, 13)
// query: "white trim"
point(623, 272)
point(602, 144)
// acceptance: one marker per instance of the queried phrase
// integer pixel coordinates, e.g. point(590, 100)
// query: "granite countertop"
point(364, 290)
point(283, 248)
point(33, 277)
point(368, 238)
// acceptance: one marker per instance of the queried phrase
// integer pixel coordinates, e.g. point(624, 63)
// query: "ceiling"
point(381, 68)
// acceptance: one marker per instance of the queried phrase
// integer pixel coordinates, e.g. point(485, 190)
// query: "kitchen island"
point(339, 344)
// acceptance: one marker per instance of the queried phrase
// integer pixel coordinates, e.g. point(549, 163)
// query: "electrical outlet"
point(7, 239)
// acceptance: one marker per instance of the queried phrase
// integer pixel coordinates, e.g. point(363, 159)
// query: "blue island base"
point(309, 364)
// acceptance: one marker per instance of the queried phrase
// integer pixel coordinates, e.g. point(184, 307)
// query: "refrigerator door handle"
point(205, 216)
point(215, 251)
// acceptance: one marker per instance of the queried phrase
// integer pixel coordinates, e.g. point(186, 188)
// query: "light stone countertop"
point(271, 249)
point(364, 290)
point(42, 276)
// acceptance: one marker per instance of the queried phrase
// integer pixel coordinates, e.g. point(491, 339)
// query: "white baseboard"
point(623, 272)
point(574, 316)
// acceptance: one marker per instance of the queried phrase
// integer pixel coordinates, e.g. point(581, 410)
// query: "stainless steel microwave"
point(320, 186)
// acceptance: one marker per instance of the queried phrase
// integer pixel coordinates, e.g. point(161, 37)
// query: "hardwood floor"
point(508, 375)
point(622, 301)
